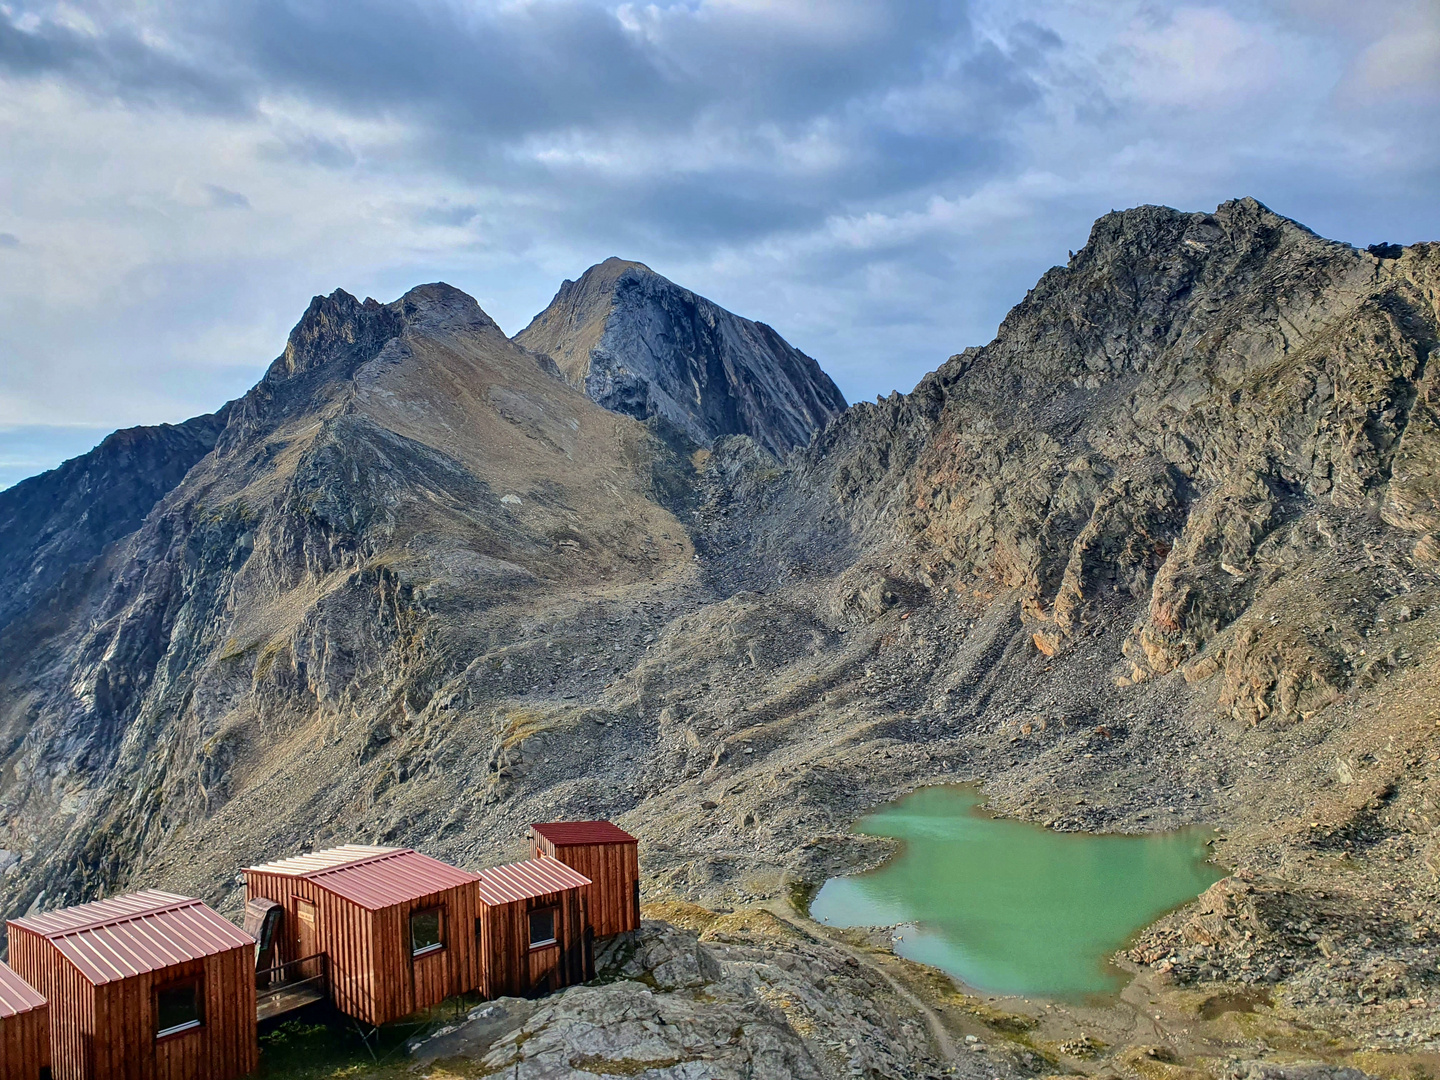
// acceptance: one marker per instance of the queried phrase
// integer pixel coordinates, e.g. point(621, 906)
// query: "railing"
point(293, 985)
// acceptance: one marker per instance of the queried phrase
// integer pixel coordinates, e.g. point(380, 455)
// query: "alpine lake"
point(1008, 907)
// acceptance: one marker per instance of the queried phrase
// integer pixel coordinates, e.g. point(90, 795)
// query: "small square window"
point(425, 931)
point(177, 1009)
point(542, 928)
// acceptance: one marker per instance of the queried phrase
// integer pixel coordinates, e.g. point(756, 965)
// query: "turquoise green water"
point(1012, 908)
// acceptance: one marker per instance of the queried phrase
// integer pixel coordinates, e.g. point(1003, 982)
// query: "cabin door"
point(307, 938)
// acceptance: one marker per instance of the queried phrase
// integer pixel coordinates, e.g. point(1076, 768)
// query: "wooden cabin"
point(24, 1030)
point(394, 929)
point(608, 856)
point(149, 986)
point(533, 929)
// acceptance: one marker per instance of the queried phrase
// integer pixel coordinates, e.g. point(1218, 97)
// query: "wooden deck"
point(292, 986)
point(287, 999)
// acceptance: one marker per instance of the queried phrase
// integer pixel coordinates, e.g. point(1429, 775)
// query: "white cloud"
point(1405, 62)
point(1198, 58)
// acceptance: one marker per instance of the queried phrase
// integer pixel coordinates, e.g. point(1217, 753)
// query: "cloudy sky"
point(878, 179)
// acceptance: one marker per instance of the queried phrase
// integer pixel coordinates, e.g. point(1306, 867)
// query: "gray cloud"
point(112, 61)
point(222, 198)
point(878, 179)
point(8, 240)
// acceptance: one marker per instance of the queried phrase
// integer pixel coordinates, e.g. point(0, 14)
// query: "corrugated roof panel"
point(523, 880)
point(126, 936)
point(98, 912)
point(565, 833)
point(391, 879)
point(373, 877)
point(316, 861)
point(16, 995)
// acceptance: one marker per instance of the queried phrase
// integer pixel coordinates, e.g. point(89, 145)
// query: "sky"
point(880, 180)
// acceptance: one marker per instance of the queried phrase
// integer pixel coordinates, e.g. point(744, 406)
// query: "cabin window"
point(542, 927)
point(425, 931)
point(177, 1008)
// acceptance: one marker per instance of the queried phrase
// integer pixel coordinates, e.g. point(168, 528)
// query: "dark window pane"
point(542, 927)
point(177, 1008)
point(425, 931)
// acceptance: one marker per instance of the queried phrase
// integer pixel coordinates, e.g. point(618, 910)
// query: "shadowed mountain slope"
point(639, 344)
point(62, 519)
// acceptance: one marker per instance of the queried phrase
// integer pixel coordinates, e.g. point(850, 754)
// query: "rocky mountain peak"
point(56, 522)
point(641, 345)
point(441, 308)
point(1131, 304)
point(341, 328)
point(334, 327)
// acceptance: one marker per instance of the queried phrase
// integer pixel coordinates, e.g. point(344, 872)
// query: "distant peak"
point(440, 306)
point(638, 344)
point(605, 274)
point(614, 262)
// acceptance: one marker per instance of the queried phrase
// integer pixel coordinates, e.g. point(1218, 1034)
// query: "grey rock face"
point(671, 1006)
point(638, 344)
point(1193, 401)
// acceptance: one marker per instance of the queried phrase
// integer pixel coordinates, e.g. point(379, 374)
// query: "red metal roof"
point(522, 880)
point(125, 936)
point(307, 864)
point(16, 995)
point(567, 833)
point(373, 877)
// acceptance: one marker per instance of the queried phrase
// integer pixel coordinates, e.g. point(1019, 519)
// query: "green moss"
point(234, 650)
point(266, 660)
point(802, 894)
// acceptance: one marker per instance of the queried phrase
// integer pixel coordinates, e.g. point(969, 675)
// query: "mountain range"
point(1166, 551)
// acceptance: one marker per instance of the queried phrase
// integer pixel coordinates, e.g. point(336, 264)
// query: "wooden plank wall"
point(71, 998)
point(373, 976)
point(512, 967)
point(223, 1048)
point(25, 1045)
point(614, 873)
point(108, 1032)
point(410, 983)
point(344, 933)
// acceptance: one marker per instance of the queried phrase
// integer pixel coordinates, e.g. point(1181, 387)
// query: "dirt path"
point(943, 1042)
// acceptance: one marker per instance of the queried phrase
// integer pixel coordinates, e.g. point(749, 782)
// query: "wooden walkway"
point(279, 992)
point(287, 999)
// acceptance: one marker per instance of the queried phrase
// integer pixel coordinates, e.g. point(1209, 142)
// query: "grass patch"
point(801, 895)
point(680, 913)
point(517, 725)
point(234, 650)
point(266, 660)
point(752, 924)
point(1159, 1063)
point(1395, 1066)
point(997, 1019)
point(299, 1051)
